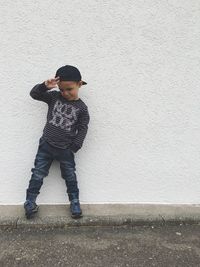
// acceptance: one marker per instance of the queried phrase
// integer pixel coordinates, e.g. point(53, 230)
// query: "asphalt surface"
point(170, 246)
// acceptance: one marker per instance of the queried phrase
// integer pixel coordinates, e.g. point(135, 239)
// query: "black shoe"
point(75, 209)
point(30, 208)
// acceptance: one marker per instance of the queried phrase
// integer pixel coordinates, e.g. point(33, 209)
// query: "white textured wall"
point(141, 60)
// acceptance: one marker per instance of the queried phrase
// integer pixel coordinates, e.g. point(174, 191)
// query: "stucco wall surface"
point(141, 60)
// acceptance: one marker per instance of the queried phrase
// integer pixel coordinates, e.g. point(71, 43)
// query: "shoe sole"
point(76, 216)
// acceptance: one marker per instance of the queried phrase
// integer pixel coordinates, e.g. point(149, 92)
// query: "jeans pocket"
point(71, 150)
point(41, 141)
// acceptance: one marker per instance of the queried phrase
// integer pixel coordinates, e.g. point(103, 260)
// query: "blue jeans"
point(45, 155)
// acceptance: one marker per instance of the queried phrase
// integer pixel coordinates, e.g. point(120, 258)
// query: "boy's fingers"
point(57, 79)
point(53, 80)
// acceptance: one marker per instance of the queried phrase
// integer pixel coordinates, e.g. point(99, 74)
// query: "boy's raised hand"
point(51, 83)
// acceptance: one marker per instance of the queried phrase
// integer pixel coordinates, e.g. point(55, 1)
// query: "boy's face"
point(72, 86)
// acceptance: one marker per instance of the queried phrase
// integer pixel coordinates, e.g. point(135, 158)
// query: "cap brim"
point(63, 79)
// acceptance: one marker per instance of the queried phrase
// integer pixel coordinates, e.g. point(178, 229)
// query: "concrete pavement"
point(12, 216)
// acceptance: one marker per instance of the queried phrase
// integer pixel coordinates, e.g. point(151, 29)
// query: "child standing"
point(63, 135)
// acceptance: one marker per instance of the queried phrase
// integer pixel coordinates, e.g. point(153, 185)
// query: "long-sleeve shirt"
point(67, 120)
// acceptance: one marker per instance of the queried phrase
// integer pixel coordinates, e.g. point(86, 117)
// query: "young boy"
point(63, 135)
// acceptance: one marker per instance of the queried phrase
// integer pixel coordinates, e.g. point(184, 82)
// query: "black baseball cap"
point(69, 73)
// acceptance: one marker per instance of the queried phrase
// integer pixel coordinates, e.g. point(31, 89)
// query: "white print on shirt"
point(64, 115)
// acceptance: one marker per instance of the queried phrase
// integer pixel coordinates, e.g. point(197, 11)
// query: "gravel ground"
point(102, 246)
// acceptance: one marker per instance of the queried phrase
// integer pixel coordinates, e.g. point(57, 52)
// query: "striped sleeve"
point(41, 92)
point(82, 127)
